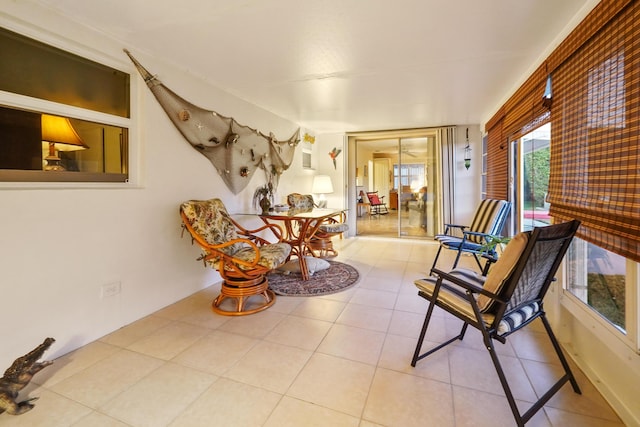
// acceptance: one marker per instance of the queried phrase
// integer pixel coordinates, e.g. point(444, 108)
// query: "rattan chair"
point(320, 243)
point(508, 299)
point(242, 258)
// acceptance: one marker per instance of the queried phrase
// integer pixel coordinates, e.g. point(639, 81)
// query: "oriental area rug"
point(338, 277)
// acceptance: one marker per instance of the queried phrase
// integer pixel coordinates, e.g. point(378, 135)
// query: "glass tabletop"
point(294, 213)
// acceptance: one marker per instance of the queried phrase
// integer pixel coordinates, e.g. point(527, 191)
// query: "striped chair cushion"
point(451, 295)
point(515, 318)
point(488, 219)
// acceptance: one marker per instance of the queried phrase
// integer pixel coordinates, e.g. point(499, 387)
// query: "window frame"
point(24, 179)
point(598, 324)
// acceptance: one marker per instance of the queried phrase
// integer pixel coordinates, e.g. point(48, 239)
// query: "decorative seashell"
point(184, 115)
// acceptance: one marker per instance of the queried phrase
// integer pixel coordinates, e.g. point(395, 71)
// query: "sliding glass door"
point(405, 168)
point(415, 179)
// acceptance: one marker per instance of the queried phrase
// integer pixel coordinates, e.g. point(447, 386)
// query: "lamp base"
point(322, 203)
point(53, 165)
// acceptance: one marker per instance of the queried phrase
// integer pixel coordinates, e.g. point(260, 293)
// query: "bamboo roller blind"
point(594, 173)
point(595, 127)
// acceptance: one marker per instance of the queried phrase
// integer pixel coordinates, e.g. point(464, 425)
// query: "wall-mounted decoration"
point(235, 150)
point(308, 138)
point(334, 154)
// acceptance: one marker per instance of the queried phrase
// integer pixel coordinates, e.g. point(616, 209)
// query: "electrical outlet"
point(110, 289)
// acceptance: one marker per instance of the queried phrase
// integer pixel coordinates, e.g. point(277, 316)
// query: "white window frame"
point(13, 100)
point(600, 326)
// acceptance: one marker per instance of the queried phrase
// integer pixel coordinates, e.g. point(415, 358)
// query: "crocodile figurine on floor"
point(18, 376)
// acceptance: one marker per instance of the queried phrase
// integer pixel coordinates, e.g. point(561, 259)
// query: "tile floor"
point(337, 360)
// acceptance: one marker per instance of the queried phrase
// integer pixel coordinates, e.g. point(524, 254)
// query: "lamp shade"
point(58, 130)
point(322, 184)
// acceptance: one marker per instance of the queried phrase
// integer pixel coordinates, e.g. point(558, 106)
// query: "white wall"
point(59, 246)
point(467, 191)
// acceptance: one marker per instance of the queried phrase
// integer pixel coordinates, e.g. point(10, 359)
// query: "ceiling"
point(345, 65)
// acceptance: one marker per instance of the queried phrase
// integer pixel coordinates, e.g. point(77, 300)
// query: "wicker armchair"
point(242, 258)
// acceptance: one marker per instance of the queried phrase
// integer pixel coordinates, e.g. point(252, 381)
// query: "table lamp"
point(58, 135)
point(321, 186)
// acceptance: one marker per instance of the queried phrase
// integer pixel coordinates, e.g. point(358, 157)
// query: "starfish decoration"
point(334, 154)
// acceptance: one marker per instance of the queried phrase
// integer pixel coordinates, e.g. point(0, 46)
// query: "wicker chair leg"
point(241, 291)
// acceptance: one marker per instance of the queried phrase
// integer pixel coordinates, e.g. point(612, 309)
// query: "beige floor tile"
point(216, 352)
point(74, 362)
point(357, 344)
point(398, 399)
point(299, 332)
point(296, 413)
point(398, 352)
point(229, 403)
point(285, 305)
point(363, 266)
point(187, 305)
point(476, 408)
point(473, 338)
point(474, 369)
point(365, 317)
point(343, 296)
point(96, 419)
point(269, 365)
point(320, 308)
point(373, 298)
point(102, 381)
point(410, 324)
point(51, 410)
point(567, 418)
point(170, 340)
point(337, 360)
point(205, 319)
point(411, 302)
point(590, 402)
point(256, 325)
point(405, 323)
point(129, 334)
point(335, 383)
point(159, 397)
point(389, 268)
point(531, 345)
point(381, 283)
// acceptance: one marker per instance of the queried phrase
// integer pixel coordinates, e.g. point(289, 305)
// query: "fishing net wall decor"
point(235, 150)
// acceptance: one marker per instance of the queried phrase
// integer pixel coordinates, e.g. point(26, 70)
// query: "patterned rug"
point(338, 277)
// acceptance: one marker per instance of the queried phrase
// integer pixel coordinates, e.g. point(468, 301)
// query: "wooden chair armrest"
point(206, 246)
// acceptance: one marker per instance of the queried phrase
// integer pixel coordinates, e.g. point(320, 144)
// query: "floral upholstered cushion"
point(334, 228)
point(210, 219)
point(271, 256)
point(300, 201)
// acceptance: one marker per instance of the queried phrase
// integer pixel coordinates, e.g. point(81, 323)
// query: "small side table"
point(360, 206)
